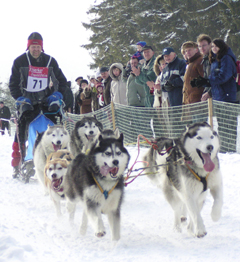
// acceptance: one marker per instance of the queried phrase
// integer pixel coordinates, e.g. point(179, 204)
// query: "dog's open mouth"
point(56, 147)
point(208, 164)
point(90, 137)
point(56, 184)
point(112, 171)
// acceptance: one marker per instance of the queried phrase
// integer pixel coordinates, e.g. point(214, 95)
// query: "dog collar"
point(104, 192)
point(201, 179)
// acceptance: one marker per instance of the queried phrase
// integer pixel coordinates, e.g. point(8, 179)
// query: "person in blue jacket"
point(223, 72)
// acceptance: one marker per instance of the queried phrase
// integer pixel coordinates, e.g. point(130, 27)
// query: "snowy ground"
point(30, 230)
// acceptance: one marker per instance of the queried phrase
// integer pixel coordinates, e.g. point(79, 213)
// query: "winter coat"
point(19, 77)
point(222, 78)
point(147, 74)
point(86, 104)
point(78, 101)
point(135, 92)
point(118, 86)
point(177, 68)
point(106, 90)
point(194, 69)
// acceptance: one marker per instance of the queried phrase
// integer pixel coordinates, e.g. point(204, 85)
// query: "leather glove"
point(168, 86)
point(193, 82)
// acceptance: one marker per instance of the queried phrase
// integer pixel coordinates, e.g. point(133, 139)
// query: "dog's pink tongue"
point(104, 170)
point(208, 163)
point(56, 147)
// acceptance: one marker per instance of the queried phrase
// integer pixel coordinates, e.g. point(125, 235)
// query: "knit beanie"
point(35, 39)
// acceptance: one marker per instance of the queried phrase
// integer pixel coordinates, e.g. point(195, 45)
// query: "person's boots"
point(16, 159)
point(15, 172)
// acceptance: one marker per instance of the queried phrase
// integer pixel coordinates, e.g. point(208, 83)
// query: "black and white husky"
point(186, 168)
point(97, 180)
point(54, 138)
point(84, 135)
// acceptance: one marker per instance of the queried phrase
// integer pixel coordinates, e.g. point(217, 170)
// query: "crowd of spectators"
point(208, 69)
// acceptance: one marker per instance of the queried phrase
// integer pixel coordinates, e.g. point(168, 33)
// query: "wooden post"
point(113, 116)
point(210, 111)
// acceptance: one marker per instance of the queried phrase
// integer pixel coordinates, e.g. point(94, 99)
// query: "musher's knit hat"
point(35, 39)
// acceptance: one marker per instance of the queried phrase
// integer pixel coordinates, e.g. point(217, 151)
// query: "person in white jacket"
point(118, 84)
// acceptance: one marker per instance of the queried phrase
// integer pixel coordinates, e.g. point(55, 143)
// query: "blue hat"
point(141, 43)
point(167, 50)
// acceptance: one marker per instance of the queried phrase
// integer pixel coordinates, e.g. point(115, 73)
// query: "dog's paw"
point(201, 234)
point(100, 234)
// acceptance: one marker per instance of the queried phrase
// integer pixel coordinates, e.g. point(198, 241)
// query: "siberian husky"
point(54, 175)
point(84, 135)
point(186, 168)
point(97, 180)
point(54, 138)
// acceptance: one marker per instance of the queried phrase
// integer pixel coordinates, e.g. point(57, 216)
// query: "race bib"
point(37, 78)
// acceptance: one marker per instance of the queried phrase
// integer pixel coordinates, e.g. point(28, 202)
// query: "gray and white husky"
point(97, 181)
point(54, 138)
point(186, 168)
point(84, 135)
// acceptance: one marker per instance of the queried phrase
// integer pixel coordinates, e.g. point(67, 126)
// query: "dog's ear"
point(120, 139)
point(117, 132)
point(100, 138)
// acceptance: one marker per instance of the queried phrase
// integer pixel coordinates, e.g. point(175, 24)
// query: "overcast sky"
point(59, 23)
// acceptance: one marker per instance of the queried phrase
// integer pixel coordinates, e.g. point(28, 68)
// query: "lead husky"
point(97, 180)
point(84, 134)
point(187, 168)
point(54, 138)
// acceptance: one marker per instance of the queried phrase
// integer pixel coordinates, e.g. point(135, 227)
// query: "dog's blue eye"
point(107, 153)
point(50, 169)
point(199, 138)
point(60, 168)
point(53, 135)
point(118, 153)
point(212, 137)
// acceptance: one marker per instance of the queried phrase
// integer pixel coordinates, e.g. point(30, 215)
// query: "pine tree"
point(117, 25)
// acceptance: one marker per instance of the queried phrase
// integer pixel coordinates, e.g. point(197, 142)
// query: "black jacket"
point(5, 113)
point(18, 79)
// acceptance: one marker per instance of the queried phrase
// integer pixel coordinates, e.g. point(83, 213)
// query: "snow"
point(31, 231)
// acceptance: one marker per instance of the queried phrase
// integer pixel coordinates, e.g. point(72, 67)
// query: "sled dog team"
point(88, 167)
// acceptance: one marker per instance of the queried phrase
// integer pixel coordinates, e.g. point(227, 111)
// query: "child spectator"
point(138, 54)
point(118, 85)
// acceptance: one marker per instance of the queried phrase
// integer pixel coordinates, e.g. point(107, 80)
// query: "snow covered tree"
point(117, 25)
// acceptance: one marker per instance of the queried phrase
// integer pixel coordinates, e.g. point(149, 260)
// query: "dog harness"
point(104, 192)
point(201, 179)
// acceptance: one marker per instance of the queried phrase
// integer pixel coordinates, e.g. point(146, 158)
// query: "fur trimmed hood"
point(156, 65)
point(119, 66)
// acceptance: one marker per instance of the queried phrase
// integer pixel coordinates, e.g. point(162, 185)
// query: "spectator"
point(118, 85)
point(4, 115)
point(135, 92)
point(85, 98)
point(107, 84)
point(159, 100)
point(77, 99)
point(29, 85)
point(97, 98)
point(172, 76)
point(193, 70)
point(146, 75)
point(98, 77)
point(204, 44)
point(138, 54)
point(223, 72)
point(69, 106)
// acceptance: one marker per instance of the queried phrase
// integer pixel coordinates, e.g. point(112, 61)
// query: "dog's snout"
point(54, 175)
point(58, 142)
point(115, 162)
point(210, 148)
